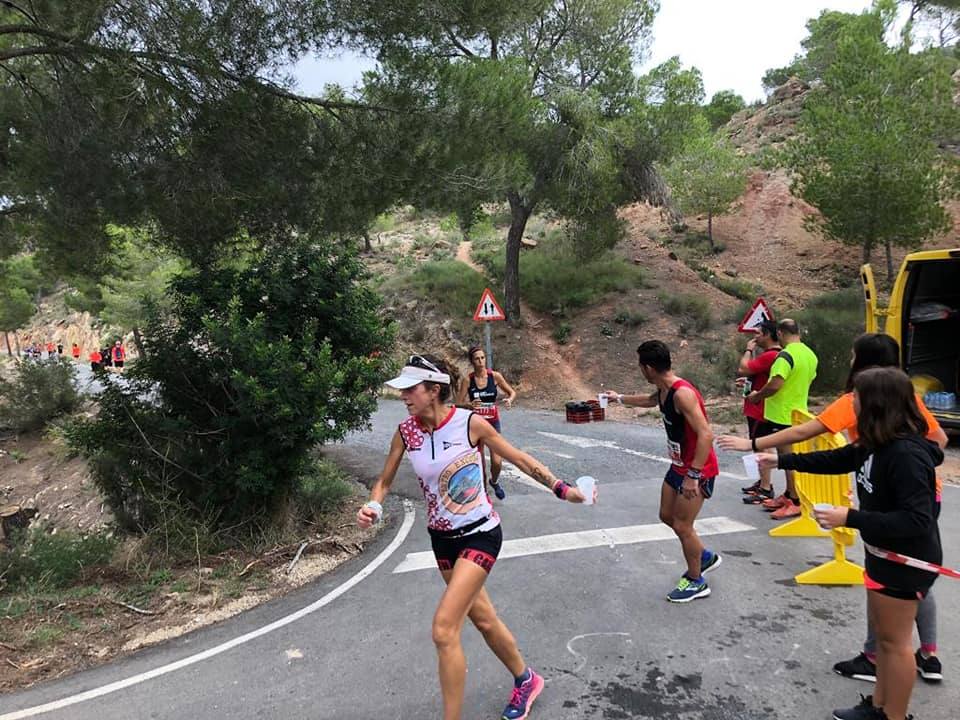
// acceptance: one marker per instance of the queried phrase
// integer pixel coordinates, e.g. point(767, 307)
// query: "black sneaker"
point(757, 497)
point(929, 668)
point(860, 668)
point(864, 710)
point(498, 490)
point(751, 488)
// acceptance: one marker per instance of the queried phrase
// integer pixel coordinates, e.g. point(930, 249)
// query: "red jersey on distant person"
point(96, 357)
point(76, 351)
point(681, 439)
point(119, 353)
point(760, 369)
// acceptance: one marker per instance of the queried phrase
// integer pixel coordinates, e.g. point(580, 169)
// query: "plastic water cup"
point(822, 507)
point(586, 485)
point(603, 399)
point(751, 467)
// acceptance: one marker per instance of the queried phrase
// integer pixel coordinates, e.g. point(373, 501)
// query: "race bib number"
point(673, 450)
point(487, 411)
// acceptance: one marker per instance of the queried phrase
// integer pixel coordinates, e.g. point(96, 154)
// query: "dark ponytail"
point(448, 368)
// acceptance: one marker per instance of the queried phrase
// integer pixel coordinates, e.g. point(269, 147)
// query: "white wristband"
point(376, 507)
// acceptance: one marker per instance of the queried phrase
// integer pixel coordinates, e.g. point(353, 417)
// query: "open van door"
point(923, 316)
point(869, 298)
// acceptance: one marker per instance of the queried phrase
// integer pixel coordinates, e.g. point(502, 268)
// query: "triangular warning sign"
point(757, 314)
point(488, 309)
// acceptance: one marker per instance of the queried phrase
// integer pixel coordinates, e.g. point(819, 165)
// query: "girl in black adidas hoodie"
point(896, 485)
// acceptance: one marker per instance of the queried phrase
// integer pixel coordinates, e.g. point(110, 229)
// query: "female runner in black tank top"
point(480, 390)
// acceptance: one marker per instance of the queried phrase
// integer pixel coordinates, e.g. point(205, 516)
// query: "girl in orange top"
point(869, 350)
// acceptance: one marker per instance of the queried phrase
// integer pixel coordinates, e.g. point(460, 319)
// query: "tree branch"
point(456, 43)
point(73, 47)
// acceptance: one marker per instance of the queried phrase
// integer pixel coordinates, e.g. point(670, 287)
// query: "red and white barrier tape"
point(912, 562)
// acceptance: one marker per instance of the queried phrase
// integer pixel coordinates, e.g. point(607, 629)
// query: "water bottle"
point(928, 399)
point(951, 401)
point(747, 386)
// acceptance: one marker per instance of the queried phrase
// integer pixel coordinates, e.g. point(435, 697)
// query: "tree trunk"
point(138, 341)
point(867, 251)
point(16, 341)
point(710, 229)
point(6, 336)
point(519, 214)
point(889, 249)
point(367, 247)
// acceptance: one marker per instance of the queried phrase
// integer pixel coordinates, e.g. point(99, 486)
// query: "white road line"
point(561, 542)
point(408, 517)
point(585, 442)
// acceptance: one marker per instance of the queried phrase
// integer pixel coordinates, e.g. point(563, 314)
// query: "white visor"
point(411, 376)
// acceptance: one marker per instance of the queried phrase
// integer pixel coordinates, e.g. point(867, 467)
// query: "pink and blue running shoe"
point(523, 696)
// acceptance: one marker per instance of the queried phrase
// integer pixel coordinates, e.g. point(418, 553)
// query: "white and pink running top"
point(449, 471)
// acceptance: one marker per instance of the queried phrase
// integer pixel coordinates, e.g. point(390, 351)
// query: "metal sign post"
point(488, 311)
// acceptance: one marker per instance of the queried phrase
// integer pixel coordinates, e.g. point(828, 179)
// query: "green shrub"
point(448, 284)
point(561, 333)
point(555, 281)
point(717, 369)
point(450, 223)
point(251, 367)
point(740, 289)
point(38, 392)
point(53, 561)
point(630, 318)
point(829, 324)
point(385, 222)
point(694, 308)
point(321, 489)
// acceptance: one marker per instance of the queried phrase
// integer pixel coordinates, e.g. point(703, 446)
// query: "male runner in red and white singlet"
point(693, 469)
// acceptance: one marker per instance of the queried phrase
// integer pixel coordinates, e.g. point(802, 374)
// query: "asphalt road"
point(588, 610)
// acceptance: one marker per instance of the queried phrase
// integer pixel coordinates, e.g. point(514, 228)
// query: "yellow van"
point(923, 316)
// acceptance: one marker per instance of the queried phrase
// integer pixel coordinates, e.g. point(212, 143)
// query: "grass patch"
point(45, 635)
point(715, 372)
point(385, 222)
point(740, 289)
point(693, 309)
point(449, 284)
point(53, 561)
point(630, 318)
point(553, 279)
point(321, 490)
point(561, 333)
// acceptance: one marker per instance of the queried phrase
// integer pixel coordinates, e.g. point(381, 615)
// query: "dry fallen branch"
point(296, 558)
point(133, 608)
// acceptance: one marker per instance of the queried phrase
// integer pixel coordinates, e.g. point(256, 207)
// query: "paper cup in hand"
point(822, 507)
point(751, 467)
point(603, 400)
point(586, 485)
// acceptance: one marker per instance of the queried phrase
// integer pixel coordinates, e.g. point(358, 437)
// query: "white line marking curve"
point(408, 517)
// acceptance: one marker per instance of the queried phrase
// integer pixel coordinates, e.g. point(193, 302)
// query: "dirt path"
point(555, 375)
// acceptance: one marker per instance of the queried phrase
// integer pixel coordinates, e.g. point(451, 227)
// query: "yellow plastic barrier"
point(813, 489)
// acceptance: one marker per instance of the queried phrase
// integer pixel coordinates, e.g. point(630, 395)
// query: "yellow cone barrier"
point(813, 489)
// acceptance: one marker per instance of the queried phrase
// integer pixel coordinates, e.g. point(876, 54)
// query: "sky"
point(732, 42)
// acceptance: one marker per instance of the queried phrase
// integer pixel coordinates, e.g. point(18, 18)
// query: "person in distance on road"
point(693, 469)
point(895, 469)
point(869, 350)
point(480, 391)
point(755, 363)
point(442, 442)
point(786, 390)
